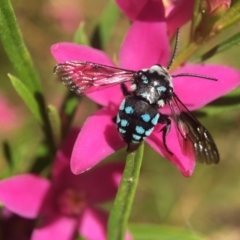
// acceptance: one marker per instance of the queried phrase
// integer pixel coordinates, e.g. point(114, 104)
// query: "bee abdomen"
point(136, 119)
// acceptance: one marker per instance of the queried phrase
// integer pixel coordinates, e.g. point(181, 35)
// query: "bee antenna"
point(194, 75)
point(175, 49)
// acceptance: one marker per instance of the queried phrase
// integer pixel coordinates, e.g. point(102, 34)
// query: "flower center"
point(71, 202)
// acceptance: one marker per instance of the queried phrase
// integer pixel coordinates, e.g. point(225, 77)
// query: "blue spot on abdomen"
point(140, 130)
point(136, 137)
point(155, 119)
point(129, 110)
point(135, 142)
point(121, 130)
point(146, 117)
point(148, 132)
point(122, 106)
point(118, 119)
point(124, 123)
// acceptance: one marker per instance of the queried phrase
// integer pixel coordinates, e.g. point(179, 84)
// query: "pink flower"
point(175, 14)
point(66, 204)
point(66, 14)
point(145, 44)
point(10, 118)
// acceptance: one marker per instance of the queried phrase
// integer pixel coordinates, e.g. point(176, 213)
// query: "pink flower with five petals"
point(175, 14)
point(66, 203)
point(145, 44)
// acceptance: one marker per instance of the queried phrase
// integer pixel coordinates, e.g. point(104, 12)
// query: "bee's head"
point(154, 85)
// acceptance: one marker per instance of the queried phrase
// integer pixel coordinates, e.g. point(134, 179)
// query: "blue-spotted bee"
point(151, 89)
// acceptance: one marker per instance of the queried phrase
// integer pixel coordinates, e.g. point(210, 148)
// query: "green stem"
point(67, 111)
point(123, 202)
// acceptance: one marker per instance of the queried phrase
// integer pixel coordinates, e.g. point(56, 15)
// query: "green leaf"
point(195, 17)
point(15, 48)
point(80, 36)
point(7, 152)
point(43, 161)
point(105, 25)
point(223, 46)
point(155, 232)
point(55, 123)
point(27, 97)
point(123, 202)
point(107, 21)
point(29, 87)
point(229, 18)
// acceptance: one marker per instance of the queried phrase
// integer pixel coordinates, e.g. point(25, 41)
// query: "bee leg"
point(124, 90)
point(114, 119)
point(164, 119)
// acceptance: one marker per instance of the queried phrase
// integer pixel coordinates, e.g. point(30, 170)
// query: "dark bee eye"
point(170, 91)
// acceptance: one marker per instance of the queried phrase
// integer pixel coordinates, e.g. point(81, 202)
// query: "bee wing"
point(195, 140)
point(87, 77)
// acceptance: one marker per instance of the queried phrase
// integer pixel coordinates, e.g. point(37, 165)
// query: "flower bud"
point(215, 7)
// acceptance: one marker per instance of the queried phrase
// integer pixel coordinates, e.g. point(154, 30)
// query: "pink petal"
point(63, 52)
point(146, 10)
point(184, 164)
point(93, 183)
point(107, 97)
point(131, 8)
point(24, 194)
point(63, 155)
point(196, 92)
point(180, 14)
point(153, 11)
point(93, 225)
point(59, 227)
point(144, 45)
point(100, 183)
point(98, 139)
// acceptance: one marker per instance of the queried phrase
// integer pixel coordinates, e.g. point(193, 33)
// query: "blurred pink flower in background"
point(67, 14)
point(174, 13)
point(99, 132)
point(66, 204)
point(10, 117)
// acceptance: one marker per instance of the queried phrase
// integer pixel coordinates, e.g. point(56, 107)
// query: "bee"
point(151, 89)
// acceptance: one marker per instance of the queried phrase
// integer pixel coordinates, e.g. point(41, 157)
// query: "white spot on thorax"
point(133, 87)
point(160, 103)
